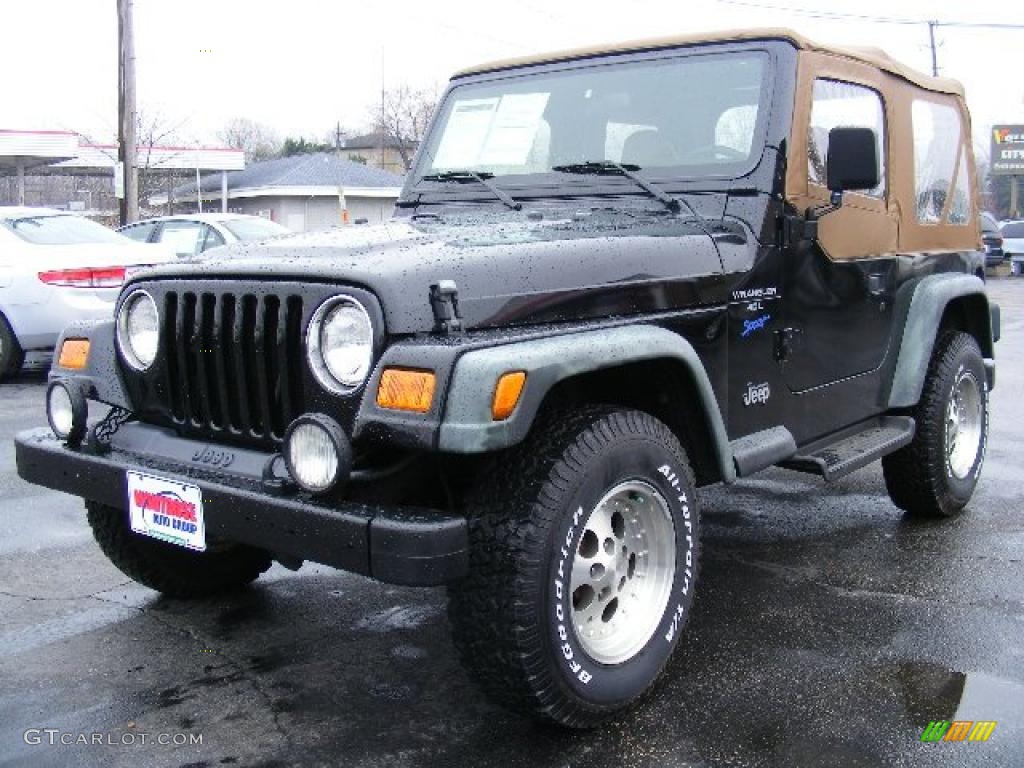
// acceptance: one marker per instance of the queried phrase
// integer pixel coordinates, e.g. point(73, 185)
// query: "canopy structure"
point(65, 153)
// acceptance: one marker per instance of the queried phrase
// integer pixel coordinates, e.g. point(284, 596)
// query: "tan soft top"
point(873, 56)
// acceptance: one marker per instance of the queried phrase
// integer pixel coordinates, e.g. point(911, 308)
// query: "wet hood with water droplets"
point(509, 270)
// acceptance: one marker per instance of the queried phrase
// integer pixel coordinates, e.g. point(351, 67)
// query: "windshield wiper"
point(481, 177)
point(611, 168)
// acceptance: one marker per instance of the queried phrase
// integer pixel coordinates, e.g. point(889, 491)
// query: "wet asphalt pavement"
point(827, 631)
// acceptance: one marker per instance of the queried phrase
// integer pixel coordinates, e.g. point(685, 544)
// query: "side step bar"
point(855, 447)
point(761, 450)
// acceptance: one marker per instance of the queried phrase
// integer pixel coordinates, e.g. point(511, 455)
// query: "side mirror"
point(852, 160)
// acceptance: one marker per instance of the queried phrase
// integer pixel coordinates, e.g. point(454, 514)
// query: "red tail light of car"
point(87, 277)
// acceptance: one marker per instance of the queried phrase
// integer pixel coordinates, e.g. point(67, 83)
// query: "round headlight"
point(340, 344)
point(66, 411)
point(138, 330)
point(317, 453)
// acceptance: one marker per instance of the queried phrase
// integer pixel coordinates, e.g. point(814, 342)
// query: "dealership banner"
point(1008, 150)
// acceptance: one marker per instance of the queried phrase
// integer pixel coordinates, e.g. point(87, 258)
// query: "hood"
point(510, 270)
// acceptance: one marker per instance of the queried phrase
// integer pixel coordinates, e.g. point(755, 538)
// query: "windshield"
point(62, 230)
point(692, 116)
point(254, 228)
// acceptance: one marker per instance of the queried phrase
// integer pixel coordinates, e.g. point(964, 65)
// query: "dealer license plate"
point(166, 510)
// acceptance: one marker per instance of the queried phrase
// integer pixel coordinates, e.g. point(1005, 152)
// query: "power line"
point(839, 16)
point(933, 24)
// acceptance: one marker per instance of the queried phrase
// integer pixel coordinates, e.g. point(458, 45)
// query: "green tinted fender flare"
point(929, 301)
point(467, 425)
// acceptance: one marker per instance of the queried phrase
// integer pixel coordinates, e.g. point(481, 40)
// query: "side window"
point(185, 237)
point(140, 232)
point(938, 155)
point(843, 105)
point(213, 238)
point(960, 207)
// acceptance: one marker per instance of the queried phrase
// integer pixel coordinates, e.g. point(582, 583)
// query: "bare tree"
point(403, 118)
point(152, 129)
point(258, 141)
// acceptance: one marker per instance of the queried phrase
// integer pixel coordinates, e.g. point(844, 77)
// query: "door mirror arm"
point(851, 163)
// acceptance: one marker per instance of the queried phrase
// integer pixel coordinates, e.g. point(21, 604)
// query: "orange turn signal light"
point(405, 390)
point(74, 354)
point(506, 394)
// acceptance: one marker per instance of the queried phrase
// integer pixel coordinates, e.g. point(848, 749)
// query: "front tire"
point(170, 569)
point(935, 476)
point(583, 564)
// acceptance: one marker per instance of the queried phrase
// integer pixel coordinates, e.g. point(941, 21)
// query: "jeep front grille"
point(234, 361)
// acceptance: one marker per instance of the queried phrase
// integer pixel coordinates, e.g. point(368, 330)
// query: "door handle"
point(786, 341)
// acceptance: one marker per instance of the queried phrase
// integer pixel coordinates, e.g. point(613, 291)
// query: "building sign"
point(119, 180)
point(1008, 150)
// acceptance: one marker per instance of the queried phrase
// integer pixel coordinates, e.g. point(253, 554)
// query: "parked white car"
point(56, 267)
point(1013, 236)
point(192, 234)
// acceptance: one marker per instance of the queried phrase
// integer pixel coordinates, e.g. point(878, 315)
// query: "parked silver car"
point(192, 234)
point(56, 267)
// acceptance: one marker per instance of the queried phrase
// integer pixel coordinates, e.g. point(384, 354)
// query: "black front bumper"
point(399, 545)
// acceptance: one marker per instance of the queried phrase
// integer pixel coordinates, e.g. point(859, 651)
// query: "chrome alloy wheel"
point(623, 571)
point(964, 420)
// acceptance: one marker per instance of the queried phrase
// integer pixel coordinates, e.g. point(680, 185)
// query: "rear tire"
point(11, 354)
point(167, 568)
point(935, 476)
point(584, 546)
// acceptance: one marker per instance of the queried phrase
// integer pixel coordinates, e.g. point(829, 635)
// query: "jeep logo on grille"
point(213, 457)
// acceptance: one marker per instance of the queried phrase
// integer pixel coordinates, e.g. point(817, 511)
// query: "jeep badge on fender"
point(615, 276)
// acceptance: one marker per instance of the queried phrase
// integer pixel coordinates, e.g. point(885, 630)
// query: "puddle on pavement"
point(934, 692)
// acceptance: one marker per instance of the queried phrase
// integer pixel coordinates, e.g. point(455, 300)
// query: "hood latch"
point(444, 301)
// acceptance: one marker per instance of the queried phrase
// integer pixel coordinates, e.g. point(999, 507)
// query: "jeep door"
point(837, 291)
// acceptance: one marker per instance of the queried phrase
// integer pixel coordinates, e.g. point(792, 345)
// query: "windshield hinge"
point(797, 229)
point(444, 301)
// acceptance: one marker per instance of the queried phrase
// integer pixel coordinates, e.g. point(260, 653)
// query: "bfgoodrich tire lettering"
point(924, 479)
point(513, 615)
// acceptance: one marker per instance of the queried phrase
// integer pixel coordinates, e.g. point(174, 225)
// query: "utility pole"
point(126, 139)
point(931, 37)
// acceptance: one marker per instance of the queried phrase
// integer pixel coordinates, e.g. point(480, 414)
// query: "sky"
point(302, 66)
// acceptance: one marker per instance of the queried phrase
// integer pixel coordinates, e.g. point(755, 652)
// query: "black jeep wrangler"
point(615, 275)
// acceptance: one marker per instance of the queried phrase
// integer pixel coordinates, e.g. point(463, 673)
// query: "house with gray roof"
point(378, 149)
point(302, 192)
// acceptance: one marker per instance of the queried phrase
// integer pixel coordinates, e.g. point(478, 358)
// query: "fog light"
point(66, 411)
point(317, 453)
